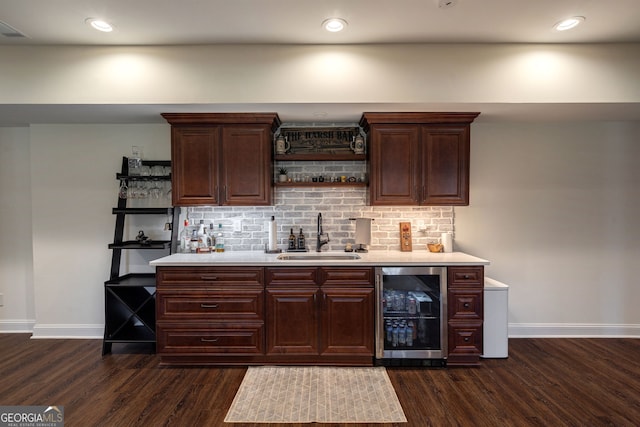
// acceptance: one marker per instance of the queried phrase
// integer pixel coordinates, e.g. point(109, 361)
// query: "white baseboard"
point(17, 326)
point(68, 331)
point(516, 330)
point(568, 330)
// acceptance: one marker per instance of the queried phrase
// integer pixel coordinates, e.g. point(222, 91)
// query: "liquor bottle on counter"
point(193, 246)
point(212, 238)
point(220, 240)
point(293, 242)
point(203, 239)
point(185, 238)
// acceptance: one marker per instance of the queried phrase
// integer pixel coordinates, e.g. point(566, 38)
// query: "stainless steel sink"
point(319, 257)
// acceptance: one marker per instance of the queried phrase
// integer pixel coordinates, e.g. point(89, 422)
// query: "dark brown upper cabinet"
point(221, 158)
point(418, 158)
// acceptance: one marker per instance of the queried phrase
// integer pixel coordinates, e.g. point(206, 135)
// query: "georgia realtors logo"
point(31, 416)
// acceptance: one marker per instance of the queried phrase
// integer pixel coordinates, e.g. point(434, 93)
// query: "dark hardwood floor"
point(544, 382)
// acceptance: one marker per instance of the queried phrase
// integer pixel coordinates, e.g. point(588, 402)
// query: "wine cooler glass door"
point(411, 320)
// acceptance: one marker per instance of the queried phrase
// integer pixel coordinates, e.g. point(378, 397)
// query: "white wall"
point(476, 73)
point(74, 188)
point(555, 208)
point(16, 264)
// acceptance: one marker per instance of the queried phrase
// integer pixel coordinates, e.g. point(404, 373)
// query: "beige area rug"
point(278, 394)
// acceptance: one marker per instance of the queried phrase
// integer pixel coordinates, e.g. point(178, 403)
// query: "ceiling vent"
point(8, 31)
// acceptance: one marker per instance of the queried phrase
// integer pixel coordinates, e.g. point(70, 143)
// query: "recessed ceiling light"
point(99, 25)
point(569, 23)
point(334, 24)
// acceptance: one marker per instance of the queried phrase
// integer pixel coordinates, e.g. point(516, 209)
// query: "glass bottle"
point(212, 238)
point(193, 246)
point(185, 238)
point(409, 335)
point(292, 241)
point(220, 240)
point(394, 335)
point(203, 238)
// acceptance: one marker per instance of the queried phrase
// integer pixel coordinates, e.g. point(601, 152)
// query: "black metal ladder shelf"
point(130, 312)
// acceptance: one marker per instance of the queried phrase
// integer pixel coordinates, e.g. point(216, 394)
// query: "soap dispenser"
point(293, 242)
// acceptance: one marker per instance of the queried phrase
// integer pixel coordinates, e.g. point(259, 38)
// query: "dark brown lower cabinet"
point(320, 315)
point(293, 315)
point(346, 326)
point(293, 322)
point(255, 315)
point(210, 315)
point(465, 288)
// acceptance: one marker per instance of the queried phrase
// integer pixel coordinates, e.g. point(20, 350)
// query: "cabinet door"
point(347, 321)
point(194, 154)
point(292, 322)
point(245, 169)
point(445, 165)
point(394, 165)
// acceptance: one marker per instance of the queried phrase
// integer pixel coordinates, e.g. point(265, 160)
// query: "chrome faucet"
point(319, 241)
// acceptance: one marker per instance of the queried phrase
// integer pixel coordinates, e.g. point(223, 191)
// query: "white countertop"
point(372, 258)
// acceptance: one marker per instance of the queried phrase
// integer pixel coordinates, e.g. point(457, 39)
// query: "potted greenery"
point(283, 175)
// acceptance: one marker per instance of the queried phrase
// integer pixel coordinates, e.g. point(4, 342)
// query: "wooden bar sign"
point(329, 140)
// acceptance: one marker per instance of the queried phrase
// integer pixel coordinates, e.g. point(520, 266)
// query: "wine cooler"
point(411, 318)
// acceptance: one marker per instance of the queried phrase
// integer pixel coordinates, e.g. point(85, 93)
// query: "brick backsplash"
point(246, 227)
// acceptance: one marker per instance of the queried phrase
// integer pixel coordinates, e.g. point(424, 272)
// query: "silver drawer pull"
point(208, 277)
point(208, 339)
point(466, 305)
point(208, 305)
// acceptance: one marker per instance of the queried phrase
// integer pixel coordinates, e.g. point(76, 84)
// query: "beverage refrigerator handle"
point(379, 321)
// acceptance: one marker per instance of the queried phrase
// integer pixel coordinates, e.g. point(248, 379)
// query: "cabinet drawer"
point(240, 338)
point(350, 276)
point(288, 276)
point(209, 276)
point(466, 276)
point(465, 339)
point(465, 304)
point(241, 304)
